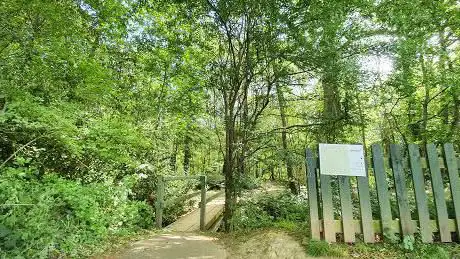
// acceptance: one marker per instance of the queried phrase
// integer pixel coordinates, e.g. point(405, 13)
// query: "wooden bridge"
point(213, 216)
point(207, 217)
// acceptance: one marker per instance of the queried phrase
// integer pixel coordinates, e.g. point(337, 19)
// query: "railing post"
point(203, 203)
point(159, 202)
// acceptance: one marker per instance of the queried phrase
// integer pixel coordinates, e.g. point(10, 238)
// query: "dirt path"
point(268, 244)
point(174, 246)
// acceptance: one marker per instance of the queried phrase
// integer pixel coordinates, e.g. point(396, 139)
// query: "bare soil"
point(268, 245)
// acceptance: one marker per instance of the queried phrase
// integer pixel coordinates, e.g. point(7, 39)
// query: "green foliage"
point(250, 183)
point(174, 190)
point(382, 250)
point(250, 216)
point(94, 92)
point(88, 102)
point(432, 251)
point(322, 248)
point(391, 236)
point(288, 225)
point(270, 209)
point(408, 242)
point(53, 215)
point(214, 179)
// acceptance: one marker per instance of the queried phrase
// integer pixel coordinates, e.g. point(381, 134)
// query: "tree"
point(246, 70)
point(286, 155)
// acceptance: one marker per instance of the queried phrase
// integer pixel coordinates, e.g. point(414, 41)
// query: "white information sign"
point(340, 159)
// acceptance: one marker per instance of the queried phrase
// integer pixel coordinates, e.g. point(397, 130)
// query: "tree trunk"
point(286, 155)
point(331, 109)
point(445, 60)
point(426, 101)
point(187, 151)
point(272, 173)
point(363, 124)
point(173, 157)
point(243, 139)
point(230, 200)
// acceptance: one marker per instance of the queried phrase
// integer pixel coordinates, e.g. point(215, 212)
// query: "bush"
point(250, 183)
point(265, 210)
point(51, 215)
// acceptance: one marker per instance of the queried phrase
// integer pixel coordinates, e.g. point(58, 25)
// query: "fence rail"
point(407, 171)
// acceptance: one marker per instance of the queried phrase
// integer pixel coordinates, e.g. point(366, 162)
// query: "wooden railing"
point(320, 196)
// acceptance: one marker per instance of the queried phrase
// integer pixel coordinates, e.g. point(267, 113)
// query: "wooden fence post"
point(452, 168)
point(365, 208)
point(159, 202)
point(312, 194)
point(401, 191)
point(347, 209)
point(420, 194)
point(328, 209)
point(383, 196)
point(438, 192)
point(203, 203)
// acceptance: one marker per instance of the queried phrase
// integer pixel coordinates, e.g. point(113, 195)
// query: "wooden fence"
point(407, 171)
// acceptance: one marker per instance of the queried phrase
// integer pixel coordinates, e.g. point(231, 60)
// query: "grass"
point(321, 248)
point(381, 250)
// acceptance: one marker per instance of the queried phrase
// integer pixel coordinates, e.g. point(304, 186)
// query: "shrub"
point(52, 215)
point(275, 209)
point(249, 215)
point(250, 183)
point(284, 206)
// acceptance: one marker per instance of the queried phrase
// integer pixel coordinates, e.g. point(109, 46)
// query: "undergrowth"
point(49, 216)
point(270, 210)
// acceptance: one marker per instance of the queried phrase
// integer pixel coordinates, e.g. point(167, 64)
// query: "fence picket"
point(347, 209)
point(401, 191)
point(420, 194)
point(365, 209)
point(452, 168)
point(312, 194)
point(328, 210)
point(438, 191)
point(382, 189)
